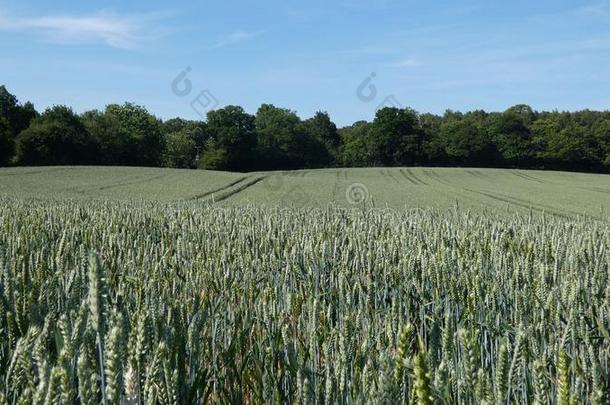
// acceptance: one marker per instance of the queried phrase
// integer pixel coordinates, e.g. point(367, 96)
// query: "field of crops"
point(492, 190)
point(148, 286)
point(147, 302)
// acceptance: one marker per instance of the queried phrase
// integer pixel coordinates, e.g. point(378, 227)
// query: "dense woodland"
point(276, 138)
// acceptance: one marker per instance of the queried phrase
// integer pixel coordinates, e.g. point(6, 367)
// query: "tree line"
point(277, 138)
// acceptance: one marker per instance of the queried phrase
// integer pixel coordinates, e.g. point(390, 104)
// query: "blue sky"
point(308, 55)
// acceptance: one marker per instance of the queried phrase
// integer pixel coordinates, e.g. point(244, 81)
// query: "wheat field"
point(489, 191)
point(140, 302)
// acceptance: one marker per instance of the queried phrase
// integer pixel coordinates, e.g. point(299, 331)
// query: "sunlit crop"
point(185, 303)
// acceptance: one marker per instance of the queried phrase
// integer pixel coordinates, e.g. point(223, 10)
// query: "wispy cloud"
point(368, 50)
point(405, 63)
point(236, 37)
point(600, 9)
point(125, 32)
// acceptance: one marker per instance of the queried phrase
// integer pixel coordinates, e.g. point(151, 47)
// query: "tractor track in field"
point(410, 176)
point(129, 183)
point(435, 176)
point(476, 173)
point(416, 178)
point(383, 176)
point(528, 177)
point(20, 173)
point(596, 189)
point(527, 205)
point(83, 190)
point(242, 187)
point(390, 175)
point(207, 193)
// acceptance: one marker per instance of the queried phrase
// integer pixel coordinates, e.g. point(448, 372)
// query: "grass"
point(497, 190)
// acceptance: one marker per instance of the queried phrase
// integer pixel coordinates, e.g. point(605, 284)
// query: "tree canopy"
point(57, 137)
point(276, 138)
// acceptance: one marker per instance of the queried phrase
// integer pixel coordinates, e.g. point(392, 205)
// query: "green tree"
point(57, 137)
point(15, 118)
point(180, 149)
point(601, 131)
point(197, 130)
point(232, 141)
point(24, 115)
point(323, 140)
point(127, 134)
point(214, 157)
point(114, 148)
point(433, 145)
point(175, 125)
point(184, 141)
point(572, 147)
point(8, 106)
point(6, 141)
point(353, 151)
point(396, 138)
point(513, 137)
point(467, 142)
point(281, 138)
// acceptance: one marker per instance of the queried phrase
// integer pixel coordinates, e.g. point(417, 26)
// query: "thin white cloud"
point(125, 32)
point(237, 37)
point(405, 63)
point(368, 50)
point(600, 9)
